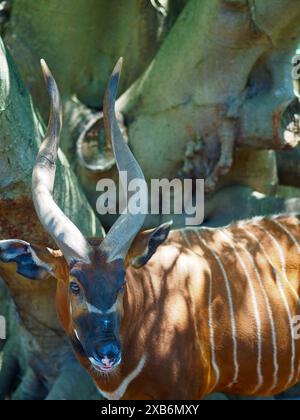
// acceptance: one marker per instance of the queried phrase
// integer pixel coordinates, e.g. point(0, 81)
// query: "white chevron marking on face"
point(93, 310)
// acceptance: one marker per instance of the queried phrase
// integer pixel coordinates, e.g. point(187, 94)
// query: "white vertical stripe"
point(212, 331)
point(281, 290)
point(298, 372)
point(210, 322)
point(281, 257)
point(231, 309)
point(121, 390)
point(289, 234)
point(270, 312)
point(256, 311)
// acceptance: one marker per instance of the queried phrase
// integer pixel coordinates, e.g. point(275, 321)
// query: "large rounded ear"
point(31, 262)
point(146, 244)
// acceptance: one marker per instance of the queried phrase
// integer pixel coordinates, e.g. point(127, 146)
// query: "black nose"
point(108, 354)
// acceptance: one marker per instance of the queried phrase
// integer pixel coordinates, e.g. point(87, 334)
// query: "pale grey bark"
point(221, 77)
point(81, 41)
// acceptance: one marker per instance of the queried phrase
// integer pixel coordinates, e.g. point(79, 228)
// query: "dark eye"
point(75, 288)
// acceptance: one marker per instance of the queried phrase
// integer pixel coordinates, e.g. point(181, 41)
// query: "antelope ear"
point(30, 262)
point(146, 244)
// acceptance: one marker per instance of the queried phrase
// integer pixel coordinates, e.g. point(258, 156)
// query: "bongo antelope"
point(160, 314)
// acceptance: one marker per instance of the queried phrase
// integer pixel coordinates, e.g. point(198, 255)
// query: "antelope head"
point(91, 273)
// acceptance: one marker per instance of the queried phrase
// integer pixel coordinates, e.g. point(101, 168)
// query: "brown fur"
point(166, 317)
point(166, 314)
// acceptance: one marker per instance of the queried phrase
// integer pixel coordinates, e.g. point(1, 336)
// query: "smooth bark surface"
point(81, 41)
point(220, 78)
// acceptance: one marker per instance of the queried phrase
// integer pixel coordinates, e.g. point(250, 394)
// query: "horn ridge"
point(66, 235)
point(123, 232)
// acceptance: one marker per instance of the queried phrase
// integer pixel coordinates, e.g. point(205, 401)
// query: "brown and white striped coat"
point(250, 278)
point(212, 311)
point(215, 313)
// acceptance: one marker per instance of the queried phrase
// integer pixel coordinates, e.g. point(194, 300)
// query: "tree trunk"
point(84, 42)
point(186, 117)
point(104, 31)
point(289, 167)
point(220, 79)
point(219, 113)
point(37, 345)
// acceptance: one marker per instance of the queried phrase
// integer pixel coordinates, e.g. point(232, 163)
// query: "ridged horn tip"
point(112, 88)
point(46, 71)
point(118, 67)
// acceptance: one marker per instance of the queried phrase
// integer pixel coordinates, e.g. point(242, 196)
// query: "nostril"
point(107, 355)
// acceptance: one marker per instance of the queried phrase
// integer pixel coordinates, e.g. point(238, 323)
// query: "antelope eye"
point(75, 288)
